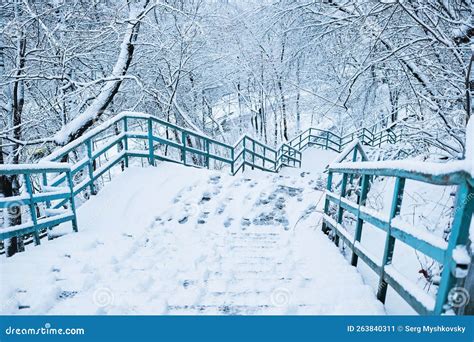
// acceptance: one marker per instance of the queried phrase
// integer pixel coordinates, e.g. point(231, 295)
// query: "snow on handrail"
point(34, 168)
point(454, 172)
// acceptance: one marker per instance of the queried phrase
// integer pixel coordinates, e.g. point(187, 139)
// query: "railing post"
point(48, 203)
point(45, 183)
point(34, 218)
point(207, 153)
point(327, 140)
point(151, 148)
point(362, 198)
point(183, 153)
point(125, 130)
point(340, 210)
point(243, 154)
point(354, 158)
point(325, 229)
point(72, 200)
point(232, 158)
point(463, 211)
point(253, 154)
point(390, 240)
point(90, 166)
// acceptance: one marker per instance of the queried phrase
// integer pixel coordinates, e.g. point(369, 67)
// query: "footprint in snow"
point(263, 200)
point(253, 184)
point(280, 203)
point(236, 183)
point(202, 217)
point(183, 220)
point(177, 198)
point(214, 179)
point(66, 294)
point(220, 209)
point(206, 197)
point(288, 190)
point(245, 222)
point(228, 222)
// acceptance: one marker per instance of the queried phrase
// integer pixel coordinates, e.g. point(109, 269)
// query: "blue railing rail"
point(40, 205)
point(182, 146)
point(138, 135)
point(451, 174)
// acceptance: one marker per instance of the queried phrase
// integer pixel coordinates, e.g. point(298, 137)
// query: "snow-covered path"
point(178, 240)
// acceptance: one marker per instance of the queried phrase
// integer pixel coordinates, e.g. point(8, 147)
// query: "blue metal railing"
point(57, 202)
point(432, 246)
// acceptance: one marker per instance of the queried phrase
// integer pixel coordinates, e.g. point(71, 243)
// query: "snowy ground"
point(179, 240)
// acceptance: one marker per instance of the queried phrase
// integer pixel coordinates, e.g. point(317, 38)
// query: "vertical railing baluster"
point(183, 152)
point(354, 158)
point(151, 148)
point(232, 158)
point(253, 153)
point(340, 209)
point(361, 200)
point(125, 131)
point(31, 205)
point(47, 202)
point(325, 229)
point(243, 154)
point(389, 239)
point(72, 200)
point(207, 152)
point(90, 166)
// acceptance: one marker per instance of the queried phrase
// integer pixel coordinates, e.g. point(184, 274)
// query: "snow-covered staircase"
point(214, 244)
point(227, 244)
point(259, 260)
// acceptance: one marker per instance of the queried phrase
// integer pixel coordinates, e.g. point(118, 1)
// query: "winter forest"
point(89, 88)
point(268, 68)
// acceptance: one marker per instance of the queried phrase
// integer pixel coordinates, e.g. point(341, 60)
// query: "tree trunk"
point(84, 121)
point(298, 95)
